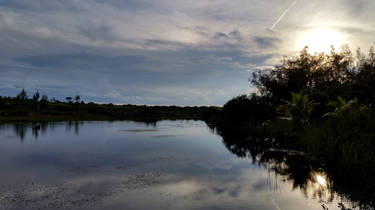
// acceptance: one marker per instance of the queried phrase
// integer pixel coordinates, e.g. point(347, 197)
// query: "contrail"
point(282, 15)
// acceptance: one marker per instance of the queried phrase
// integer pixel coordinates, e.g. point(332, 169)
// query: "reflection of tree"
point(68, 125)
point(76, 127)
point(149, 123)
point(43, 127)
point(73, 124)
point(36, 132)
point(316, 179)
point(21, 129)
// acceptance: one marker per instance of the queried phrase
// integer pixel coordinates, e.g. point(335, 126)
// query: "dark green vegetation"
point(321, 105)
point(35, 108)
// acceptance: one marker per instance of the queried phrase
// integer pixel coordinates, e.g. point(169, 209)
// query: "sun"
point(320, 40)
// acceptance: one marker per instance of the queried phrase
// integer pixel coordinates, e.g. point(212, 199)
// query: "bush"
point(254, 108)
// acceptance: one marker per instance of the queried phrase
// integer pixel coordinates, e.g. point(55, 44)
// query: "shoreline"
point(44, 118)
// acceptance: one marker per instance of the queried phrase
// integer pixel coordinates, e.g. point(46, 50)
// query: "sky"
point(164, 52)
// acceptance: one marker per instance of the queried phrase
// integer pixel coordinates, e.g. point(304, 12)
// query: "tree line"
point(36, 107)
point(316, 80)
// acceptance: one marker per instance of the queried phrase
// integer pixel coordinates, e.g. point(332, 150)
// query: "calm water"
point(130, 165)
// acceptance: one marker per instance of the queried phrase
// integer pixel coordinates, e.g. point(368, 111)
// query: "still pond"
point(133, 165)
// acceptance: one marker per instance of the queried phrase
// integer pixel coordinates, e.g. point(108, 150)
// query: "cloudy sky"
point(182, 52)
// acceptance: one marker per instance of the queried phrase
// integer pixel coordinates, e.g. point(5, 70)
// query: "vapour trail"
point(282, 15)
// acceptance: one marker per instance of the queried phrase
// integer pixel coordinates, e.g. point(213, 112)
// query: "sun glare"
point(321, 180)
point(321, 40)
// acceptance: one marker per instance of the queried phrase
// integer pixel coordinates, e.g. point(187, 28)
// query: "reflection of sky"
point(188, 169)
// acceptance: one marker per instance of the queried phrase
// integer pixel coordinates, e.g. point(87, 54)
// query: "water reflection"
point(179, 165)
point(321, 180)
point(73, 125)
point(22, 129)
point(318, 179)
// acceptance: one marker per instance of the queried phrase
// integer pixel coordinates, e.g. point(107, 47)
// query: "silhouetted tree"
point(68, 99)
point(35, 100)
point(44, 102)
point(304, 73)
point(44, 98)
point(254, 107)
point(77, 98)
point(36, 96)
point(22, 96)
point(363, 84)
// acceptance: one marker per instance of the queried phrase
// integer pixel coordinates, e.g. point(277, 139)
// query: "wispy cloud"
point(163, 51)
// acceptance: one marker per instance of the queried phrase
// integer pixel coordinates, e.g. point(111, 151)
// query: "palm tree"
point(299, 108)
point(341, 105)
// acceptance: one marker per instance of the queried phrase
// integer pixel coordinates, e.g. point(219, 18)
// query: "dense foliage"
point(253, 107)
point(322, 76)
point(321, 104)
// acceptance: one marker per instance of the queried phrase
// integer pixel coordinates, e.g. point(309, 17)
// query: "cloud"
point(83, 60)
point(220, 35)
point(144, 51)
point(266, 42)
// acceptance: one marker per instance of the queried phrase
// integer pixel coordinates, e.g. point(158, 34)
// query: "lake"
point(134, 165)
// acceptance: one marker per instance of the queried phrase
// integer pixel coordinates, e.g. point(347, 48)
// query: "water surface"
point(132, 165)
